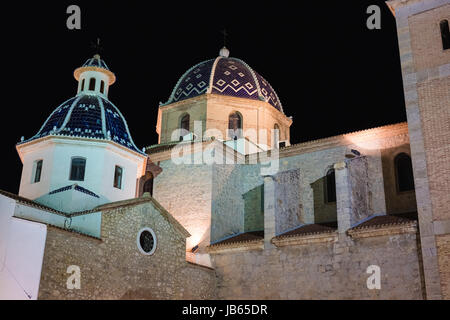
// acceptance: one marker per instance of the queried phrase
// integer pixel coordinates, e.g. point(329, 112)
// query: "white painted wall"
point(101, 159)
point(22, 245)
point(99, 76)
point(32, 153)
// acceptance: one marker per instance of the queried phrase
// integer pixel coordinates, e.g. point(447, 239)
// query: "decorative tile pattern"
point(232, 77)
point(268, 93)
point(194, 82)
point(81, 116)
point(85, 119)
point(77, 187)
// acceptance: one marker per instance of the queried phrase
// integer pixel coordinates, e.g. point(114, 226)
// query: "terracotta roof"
point(308, 229)
point(383, 221)
point(240, 238)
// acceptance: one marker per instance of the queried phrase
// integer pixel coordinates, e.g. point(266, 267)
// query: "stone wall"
point(443, 247)
point(227, 210)
point(323, 211)
point(359, 184)
point(333, 270)
point(185, 191)
point(426, 73)
point(254, 209)
point(171, 117)
point(396, 202)
point(288, 203)
point(114, 268)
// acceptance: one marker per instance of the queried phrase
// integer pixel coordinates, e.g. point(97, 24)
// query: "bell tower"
point(424, 44)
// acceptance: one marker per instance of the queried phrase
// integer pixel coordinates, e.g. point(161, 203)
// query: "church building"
point(224, 206)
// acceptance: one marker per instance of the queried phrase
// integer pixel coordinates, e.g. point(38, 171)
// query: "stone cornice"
point(242, 102)
point(166, 154)
point(236, 246)
point(384, 230)
point(70, 139)
point(304, 239)
point(346, 139)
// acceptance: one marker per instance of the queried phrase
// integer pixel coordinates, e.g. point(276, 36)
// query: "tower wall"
point(426, 81)
point(213, 110)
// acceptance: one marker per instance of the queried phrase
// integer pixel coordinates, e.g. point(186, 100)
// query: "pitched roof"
point(244, 237)
point(307, 229)
point(383, 221)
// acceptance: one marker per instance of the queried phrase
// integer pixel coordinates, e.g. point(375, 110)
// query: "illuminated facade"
point(224, 206)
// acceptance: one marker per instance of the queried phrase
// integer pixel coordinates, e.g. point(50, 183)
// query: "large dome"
point(227, 76)
point(88, 116)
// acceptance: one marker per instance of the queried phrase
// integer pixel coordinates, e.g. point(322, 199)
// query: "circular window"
point(146, 241)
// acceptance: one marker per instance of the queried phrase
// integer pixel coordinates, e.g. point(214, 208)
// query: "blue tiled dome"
point(88, 116)
point(227, 76)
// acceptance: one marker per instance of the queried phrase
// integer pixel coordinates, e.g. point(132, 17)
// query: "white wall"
point(101, 159)
point(39, 151)
point(99, 76)
point(22, 245)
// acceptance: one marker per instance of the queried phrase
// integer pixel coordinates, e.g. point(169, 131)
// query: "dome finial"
point(224, 52)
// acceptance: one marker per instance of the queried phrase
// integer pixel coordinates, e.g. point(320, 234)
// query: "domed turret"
point(89, 114)
point(94, 76)
point(86, 143)
point(227, 96)
point(226, 76)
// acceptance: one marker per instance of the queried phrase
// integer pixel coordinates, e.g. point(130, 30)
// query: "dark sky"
point(332, 74)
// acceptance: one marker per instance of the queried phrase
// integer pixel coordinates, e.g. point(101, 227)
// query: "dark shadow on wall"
point(325, 212)
point(398, 200)
point(254, 209)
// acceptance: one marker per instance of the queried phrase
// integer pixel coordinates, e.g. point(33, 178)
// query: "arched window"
point(148, 186)
point(235, 125)
point(92, 84)
point(82, 85)
point(404, 172)
point(102, 86)
point(184, 125)
point(37, 170)
point(445, 34)
point(276, 135)
point(77, 169)
point(118, 172)
point(330, 186)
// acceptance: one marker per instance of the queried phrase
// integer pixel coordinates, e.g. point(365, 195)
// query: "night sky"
point(331, 73)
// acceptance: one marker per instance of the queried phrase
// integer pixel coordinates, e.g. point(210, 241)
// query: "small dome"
point(227, 76)
point(88, 116)
point(96, 62)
